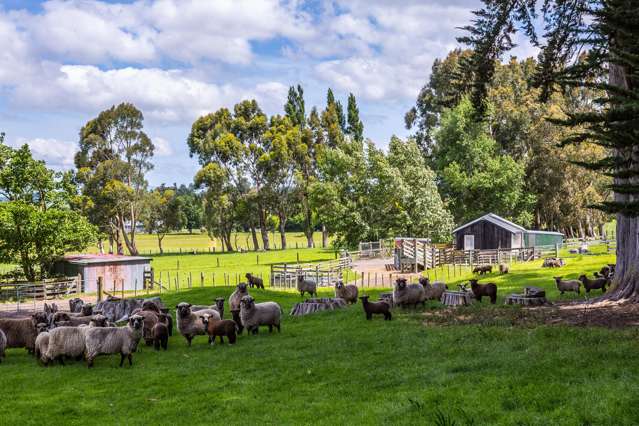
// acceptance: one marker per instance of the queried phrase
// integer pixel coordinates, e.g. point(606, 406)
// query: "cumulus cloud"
point(162, 147)
point(56, 153)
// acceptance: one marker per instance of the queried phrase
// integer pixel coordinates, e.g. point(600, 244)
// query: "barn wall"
point(487, 236)
point(114, 275)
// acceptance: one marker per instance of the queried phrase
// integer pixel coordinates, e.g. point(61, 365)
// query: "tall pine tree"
point(294, 106)
point(355, 127)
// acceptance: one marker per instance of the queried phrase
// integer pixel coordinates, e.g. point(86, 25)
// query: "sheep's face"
point(42, 327)
point(242, 287)
point(184, 309)
point(205, 319)
point(99, 321)
point(582, 278)
point(300, 278)
point(87, 310)
point(363, 298)
point(473, 283)
point(339, 285)
point(248, 276)
point(40, 317)
point(219, 302)
point(136, 322)
point(247, 302)
point(400, 284)
point(60, 316)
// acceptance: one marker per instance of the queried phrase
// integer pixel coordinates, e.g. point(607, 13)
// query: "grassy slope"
point(335, 367)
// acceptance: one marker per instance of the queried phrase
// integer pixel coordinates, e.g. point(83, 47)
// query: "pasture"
point(336, 367)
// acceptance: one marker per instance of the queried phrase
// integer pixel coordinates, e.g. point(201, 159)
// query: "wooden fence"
point(14, 296)
point(285, 275)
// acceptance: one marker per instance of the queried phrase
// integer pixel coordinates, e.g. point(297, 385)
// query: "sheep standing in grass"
point(221, 328)
point(381, 307)
point(503, 268)
point(189, 324)
point(406, 294)
point(480, 290)
point(255, 314)
point(254, 281)
point(599, 283)
point(234, 304)
point(113, 340)
point(160, 334)
point(433, 291)
point(568, 285)
point(65, 341)
point(3, 344)
point(20, 332)
point(347, 292)
point(218, 306)
point(483, 269)
point(42, 343)
point(306, 286)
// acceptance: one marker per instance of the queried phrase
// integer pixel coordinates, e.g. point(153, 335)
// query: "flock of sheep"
point(56, 336)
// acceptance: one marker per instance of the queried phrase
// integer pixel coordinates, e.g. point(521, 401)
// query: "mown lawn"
point(337, 368)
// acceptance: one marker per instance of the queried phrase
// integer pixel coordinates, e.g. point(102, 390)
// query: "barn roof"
point(89, 259)
point(497, 220)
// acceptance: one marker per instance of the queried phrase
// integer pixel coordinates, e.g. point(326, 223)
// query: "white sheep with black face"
point(114, 340)
point(189, 323)
point(255, 314)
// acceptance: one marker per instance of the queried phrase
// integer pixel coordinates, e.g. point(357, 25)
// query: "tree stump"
point(456, 298)
point(310, 306)
point(522, 299)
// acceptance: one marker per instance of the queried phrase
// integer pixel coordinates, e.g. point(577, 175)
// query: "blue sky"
point(62, 62)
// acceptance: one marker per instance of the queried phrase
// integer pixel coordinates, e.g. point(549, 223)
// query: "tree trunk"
point(308, 224)
point(130, 242)
point(282, 229)
point(262, 218)
point(256, 243)
point(226, 240)
point(100, 246)
point(324, 236)
point(160, 238)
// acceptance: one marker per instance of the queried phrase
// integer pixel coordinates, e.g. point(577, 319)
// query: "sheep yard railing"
point(285, 275)
point(25, 295)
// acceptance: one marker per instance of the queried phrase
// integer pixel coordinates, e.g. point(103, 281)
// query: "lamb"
point(42, 343)
point(150, 319)
point(405, 294)
point(552, 262)
point(483, 269)
point(433, 291)
point(254, 314)
point(113, 340)
point(20, 332)
point(218, 306)
point(381, 307)
point(189, 323)
point(503, 268)
point(255, 281)
point(306, 286)
point(594, 284)
point(150, 305)
point(347, 292)
point(86, 310)
point(570, 285)
point(480, 290)
point(3, 344)
point(219, 328)
point(160, 334)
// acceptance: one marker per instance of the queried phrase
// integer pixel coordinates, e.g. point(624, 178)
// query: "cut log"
point(456, 298)
point(521, 299)
point(310, 306)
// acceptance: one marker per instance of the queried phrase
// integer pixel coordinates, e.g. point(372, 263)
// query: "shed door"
point(516, 241)
point(469, 242)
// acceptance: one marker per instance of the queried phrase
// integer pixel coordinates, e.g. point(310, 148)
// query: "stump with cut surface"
point(533, 296)
point(310, 306)
point(456, 298)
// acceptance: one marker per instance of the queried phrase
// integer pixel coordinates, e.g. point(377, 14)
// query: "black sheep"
point(381, 307)
point(254, 281)
point(480, 290)
point(160, 333)
point(594, 284)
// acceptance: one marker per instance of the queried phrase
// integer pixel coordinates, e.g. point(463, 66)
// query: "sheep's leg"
point(270, 328)
point(369, 316)
point(61, 359)
point(130, 356)
point(89, 362)
point(255, 329)
point(221, 339)
point(122, 357)
point(279, 330)
point(188, 339)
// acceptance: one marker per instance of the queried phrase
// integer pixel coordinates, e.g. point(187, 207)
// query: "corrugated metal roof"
point(497, 220)
point(545, 232)
point(86, 259)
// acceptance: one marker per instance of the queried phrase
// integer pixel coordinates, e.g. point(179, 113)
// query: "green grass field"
point(337, 368)
point(172, 243)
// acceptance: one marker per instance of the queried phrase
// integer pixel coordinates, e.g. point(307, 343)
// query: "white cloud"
point(56, 153)
point(162, 147)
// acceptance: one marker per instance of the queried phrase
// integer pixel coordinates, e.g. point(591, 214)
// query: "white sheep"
point(42, 343)
point(65, 341)
point(306, 286)
point(237, 295)
point(568, 285)
point(255, 314)
point(114, 340)
point(405, 294)
point(433, 291)
point(189, 324)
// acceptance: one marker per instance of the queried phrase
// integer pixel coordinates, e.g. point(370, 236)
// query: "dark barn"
point(489, 232)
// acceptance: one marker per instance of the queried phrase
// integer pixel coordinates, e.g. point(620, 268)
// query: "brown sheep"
point(160, 334)
point(503, 268)
point(483, 269)
point(594, 284)
point(219, 328)
point(254, 281)
point(347, 292)
point(381, 307)
point(480, 290)
point(20, 332)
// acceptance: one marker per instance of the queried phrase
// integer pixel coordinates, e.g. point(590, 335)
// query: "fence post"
point(201, 279)
point(78, 284)
point(100, 285)
point(557, 249)
point(190, 280)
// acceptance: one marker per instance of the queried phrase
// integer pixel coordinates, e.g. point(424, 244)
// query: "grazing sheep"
point(113, 340)
point(306, 286)
point(381, 307)
point(254, 281)
point(221, 328)
point(569, 285)
point(42, 343)
point(189, 324)
point(503, 268)
point(237, 295)
point(347, 292)
point(480, 290)
point(3, 344)
point(160, 333)
point(594, 284)
point(20, 332)
point(483, 269)
point(433, 291)
point(405, 294)
point(65, 341)
point(552, 262)
point(255, 314)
